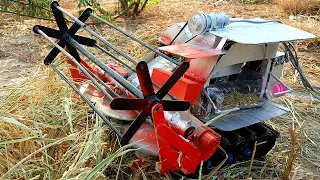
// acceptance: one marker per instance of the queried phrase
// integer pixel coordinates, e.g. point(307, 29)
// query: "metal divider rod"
point(133, 70)
point(107, 87)
point(114, 57)
point(102, 83)
point(78, 64)
point(114, 129)
point(108, 70)
point(136, 39)
point(84, 26)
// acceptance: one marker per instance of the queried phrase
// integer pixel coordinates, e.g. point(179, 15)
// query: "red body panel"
point(184, 89)
point(202, 60)
point(190, 86)
point(94, 94)
point(177, 153)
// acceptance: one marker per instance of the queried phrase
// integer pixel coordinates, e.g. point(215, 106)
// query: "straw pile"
point(241, 100)
point(47, 132)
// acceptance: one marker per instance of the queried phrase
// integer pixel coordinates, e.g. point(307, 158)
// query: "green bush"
point(41, 8)
point(37, 9)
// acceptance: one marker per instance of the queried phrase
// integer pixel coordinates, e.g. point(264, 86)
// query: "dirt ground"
point(22, 53)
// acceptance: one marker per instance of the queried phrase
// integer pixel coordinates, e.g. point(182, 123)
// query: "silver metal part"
point(227, 70)
point(246, 117)
point(241, 53)
point(171, 31)
point(289, 90)
point(261, 33)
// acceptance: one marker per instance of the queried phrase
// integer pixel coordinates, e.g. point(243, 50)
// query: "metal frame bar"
point(289, 90)
point(108, 70)
point(135, 39)
point(114, 129)
point(114, 57)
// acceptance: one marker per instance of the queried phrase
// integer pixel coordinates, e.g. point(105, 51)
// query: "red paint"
point(202, 60)
point(184, 89)
point(94, 94)
point(177, 153)
point(122, 72)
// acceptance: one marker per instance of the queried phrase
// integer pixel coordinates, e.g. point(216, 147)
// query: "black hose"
point(293, 57)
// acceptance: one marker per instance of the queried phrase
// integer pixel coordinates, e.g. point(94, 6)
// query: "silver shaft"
point(135, 39)
point(114, 129)
point(108, 70)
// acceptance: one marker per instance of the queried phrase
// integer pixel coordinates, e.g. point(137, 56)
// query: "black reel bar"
point(150, 98)
point(72, 42)
point(75, 41)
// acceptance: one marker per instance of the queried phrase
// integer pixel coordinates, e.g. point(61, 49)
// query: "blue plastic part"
point(246, 153)
point(209, 165)
point(230, 158)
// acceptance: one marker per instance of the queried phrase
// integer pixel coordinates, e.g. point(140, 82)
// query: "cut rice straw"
point(70, 137)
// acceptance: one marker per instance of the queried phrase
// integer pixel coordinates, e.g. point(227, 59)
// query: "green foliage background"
point(41, 8)
point(36, 9)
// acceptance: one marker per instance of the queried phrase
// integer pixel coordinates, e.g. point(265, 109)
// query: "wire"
point(291, 54)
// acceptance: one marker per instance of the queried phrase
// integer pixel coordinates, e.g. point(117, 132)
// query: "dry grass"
point(73, 141)
point(47, 132)
point(300, 7)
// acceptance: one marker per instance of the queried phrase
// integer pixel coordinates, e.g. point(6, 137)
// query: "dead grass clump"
point(46, 132)
point(300, 7)
point(298, 149)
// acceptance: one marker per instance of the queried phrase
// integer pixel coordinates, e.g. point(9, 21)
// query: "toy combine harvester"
point(167, 102)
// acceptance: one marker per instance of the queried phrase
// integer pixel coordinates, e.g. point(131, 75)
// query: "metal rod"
point(211, 102)
point(136, 39)
point(113, 92)
point(108, 70)
point(114, 57)
point(114, 129)
point(84, 26)
point(289, 90)
point(133, 70)
point(102, 83)
point(78, 64)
